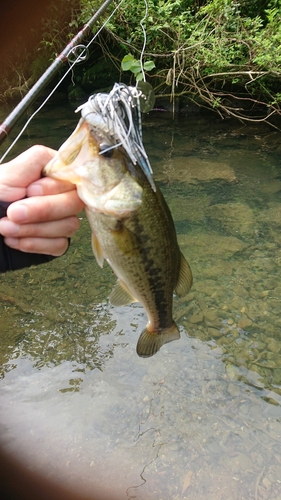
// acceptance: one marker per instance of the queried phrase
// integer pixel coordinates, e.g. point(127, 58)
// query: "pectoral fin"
point(125, 239)
point(185, 278)
point(150, 342)
point(97, 250)
point(120, 295)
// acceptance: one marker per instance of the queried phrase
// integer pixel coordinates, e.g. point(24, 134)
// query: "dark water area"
point(201, 419)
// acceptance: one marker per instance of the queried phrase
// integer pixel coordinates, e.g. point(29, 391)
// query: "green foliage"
point(129, 63)
point(210, 36)
point(210, 50)
point(268, 42)
point(205, 48)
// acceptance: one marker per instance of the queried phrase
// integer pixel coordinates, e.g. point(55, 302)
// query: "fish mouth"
point(62, 165)
point(79, 161)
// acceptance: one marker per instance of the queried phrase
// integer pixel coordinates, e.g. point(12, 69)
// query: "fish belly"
point(146, 265)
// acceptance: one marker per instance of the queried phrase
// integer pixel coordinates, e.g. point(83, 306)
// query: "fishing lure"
point(118, 114)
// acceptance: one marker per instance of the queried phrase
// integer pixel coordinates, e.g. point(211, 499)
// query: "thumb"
point(17, 174)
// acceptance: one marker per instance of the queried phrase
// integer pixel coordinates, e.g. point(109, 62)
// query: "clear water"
point(201, 419)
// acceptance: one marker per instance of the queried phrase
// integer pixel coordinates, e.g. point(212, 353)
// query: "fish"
point(132, 226)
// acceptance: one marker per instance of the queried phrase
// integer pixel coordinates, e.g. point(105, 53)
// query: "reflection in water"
point(201, 419)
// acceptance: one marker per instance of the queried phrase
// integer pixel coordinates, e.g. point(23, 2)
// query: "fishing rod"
point(33, 93)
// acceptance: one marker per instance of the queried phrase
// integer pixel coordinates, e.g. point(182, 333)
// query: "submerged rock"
point(201, 245)
point(192, 208)
point(270, 187)
point(272, 214)
point(192, 169)
point(235, 218)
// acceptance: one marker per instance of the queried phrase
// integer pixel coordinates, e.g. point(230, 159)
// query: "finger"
point(30, 163)
point(45, 208)
point(65, 227)
point(48, 185)
point(46, 246)
point(25, 168)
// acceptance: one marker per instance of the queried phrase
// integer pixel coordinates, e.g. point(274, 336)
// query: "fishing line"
point(118, 113)
point(144, 39)
point(78, 59)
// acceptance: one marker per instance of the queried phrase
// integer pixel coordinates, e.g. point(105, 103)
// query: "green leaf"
point(148, 65)
point(135, 67)
point(127, 62)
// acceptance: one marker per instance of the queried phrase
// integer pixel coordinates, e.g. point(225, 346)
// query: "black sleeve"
point(11, 259)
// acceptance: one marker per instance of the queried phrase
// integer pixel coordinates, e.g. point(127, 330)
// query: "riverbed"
point(200, 419)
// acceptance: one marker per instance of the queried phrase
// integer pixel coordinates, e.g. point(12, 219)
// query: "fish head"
point(100, 170)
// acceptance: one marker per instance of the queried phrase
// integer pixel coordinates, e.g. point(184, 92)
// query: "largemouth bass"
point(132, 227)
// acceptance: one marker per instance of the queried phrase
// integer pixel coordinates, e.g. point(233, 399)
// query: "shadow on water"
point(201, 419)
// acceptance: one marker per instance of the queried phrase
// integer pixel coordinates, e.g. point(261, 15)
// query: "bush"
point(223, 54)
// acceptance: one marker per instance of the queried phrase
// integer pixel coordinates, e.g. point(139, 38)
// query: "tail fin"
point(150, 342)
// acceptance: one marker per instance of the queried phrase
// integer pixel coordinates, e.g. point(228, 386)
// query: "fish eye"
point(106, 150)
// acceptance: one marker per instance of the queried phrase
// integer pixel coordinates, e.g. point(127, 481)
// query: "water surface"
point(201, 419)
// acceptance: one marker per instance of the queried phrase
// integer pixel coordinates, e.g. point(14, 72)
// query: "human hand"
point(43, 214)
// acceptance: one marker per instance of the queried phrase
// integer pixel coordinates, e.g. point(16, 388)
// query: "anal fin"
point(150, 342)
point(120, 295)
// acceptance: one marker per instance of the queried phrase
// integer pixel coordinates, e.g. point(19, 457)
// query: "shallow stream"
point(201, 419)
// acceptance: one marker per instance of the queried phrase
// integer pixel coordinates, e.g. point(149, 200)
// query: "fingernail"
point(11, 242)
point(9, 228)
point(17, 213)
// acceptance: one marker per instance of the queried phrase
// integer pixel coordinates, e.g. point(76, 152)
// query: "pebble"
point(232, 371)
point(224, 340)
point(244, 323)
point(266, 483)
point(233, 390)
point(202, 305)
point(245, 462)
point(237, 303)
point(235, 333)
point(273, 346)
point(210, 316)
point(187, 298)
point(196, 318)
point(53, 276)
point(213, 332)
